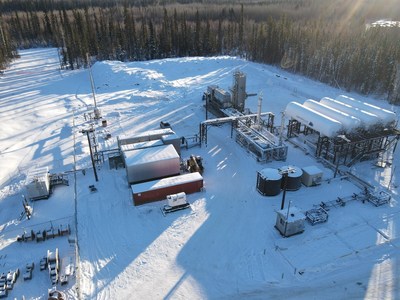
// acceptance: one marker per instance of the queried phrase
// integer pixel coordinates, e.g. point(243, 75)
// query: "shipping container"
point(151, 163)
point(159, 189)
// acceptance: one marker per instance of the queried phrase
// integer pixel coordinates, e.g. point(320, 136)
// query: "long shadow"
point(233, 254)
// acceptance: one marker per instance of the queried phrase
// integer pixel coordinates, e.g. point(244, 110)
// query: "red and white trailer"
point(159, 189)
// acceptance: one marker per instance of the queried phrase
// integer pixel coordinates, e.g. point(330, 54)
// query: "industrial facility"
point(343, 130)
point(154, 168)
point(255, 132)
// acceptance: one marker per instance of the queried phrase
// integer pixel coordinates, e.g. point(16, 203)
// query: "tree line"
point(332, 47)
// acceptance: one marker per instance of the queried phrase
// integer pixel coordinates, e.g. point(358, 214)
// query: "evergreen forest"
point(334, 41)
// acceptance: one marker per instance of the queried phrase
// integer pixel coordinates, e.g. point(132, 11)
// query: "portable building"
point(144, 136)
point(312, 176)
point(290, 221)
point(151, 163)
point(38, 184)
point(159, 189)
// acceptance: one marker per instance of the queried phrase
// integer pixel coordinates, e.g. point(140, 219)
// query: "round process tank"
point(388, 117)
point(294, 174)
point(349, 122)
point(269, 182)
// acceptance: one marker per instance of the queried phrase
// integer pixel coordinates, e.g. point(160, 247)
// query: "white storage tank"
point(312, 176)
point(151, 163)
point(388, 117)
point(325, 125)
point(367, 119)
point(349, 122)
point(38, 184)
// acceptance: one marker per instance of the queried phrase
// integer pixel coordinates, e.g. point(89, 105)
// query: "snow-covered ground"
point(225, 246)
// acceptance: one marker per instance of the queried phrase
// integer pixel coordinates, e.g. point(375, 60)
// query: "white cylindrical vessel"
point(388, 117)
point(325, 125)
point(349, 122)
point(368, 120)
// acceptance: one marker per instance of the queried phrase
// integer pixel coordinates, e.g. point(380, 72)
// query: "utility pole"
point(97, 113)
point(88, 131)
point(285, 174)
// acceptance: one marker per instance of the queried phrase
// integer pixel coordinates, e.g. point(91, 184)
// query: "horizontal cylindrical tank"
point(349, 122)
point(269, 182)
point(325, 125)
point(368, 120)
point(293, 180)
point(388, 117)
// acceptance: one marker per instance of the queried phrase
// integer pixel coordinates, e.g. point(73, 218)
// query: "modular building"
point(151, 163)
point(311, 176)
point(38, 184)
point(159, 189)
point(290, 221)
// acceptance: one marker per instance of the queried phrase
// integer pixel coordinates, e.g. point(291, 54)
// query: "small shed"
point(159, 189)
point(38, 184)
point(311, 176)
point(290, 221)
point(151, 163)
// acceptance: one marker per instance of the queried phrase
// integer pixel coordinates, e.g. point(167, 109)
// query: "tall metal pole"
point(285, 176)
point(91, 153)
point(91, 81)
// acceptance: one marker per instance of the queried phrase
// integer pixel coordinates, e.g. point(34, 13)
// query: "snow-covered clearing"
point(226, 246)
